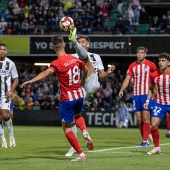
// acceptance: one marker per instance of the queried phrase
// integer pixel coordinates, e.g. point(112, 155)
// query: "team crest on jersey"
point(145, 68)
point(5, 66)
point(169, 81)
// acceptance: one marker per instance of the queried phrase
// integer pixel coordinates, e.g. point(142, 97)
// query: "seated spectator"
point(99, 22)
point(127, 25)
point(36, 106)
point(30, 104)
point(16, 28)
point(87, 27)
point(7, 16)
point(21, 4)
point(21, 104)
point(163, 24)
point(155, 26)
point(3, 26)
point(119, 27)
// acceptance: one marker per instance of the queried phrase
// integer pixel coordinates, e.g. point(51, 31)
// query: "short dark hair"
point(3, 44)
point(84, 36)
point(142, 48)
point(164, 55)
point(57, 40)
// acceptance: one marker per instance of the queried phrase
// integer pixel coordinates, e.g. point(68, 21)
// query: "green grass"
point(43, 148)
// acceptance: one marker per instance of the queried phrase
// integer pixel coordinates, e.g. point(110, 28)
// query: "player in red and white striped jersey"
point(160, 80)
point(8, 73)
point(140, 71)
point(66, 68)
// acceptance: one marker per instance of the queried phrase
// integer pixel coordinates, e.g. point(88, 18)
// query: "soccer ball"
point(66, 23)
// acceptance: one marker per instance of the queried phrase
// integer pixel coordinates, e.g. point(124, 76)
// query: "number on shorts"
point(156, 110)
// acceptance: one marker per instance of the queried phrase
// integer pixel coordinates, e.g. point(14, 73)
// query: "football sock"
point(2, 135)
point(82, 53)
point(168, 123)
point(81, 123)
point(156, 136)
point(9, 125)
point(73, 141)
point(74, 129)
point(140, 126)
point(146, 130)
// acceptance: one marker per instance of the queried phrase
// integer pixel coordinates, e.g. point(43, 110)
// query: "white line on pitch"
point(128, 147)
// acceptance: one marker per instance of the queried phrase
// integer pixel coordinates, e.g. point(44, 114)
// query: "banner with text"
point(107, 45)
point(104, 45)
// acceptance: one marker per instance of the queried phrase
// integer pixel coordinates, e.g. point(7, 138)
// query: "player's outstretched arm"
point(103, 75)
point(124, 85)
point(40, 76)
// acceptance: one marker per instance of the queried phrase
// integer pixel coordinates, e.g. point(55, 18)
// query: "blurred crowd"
point(45, 94)
point(43, 16)
point(39, 17)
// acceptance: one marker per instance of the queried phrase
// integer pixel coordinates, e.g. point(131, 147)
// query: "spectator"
point(163, 24)
point(21, 104)
point(119, 27)
point(7, 16)
point(30, 104)
point(130, 13)
point(3, 26)
point(119, 6)
point(136, 8)
point(144, 16)
point(123, 115)
point(155, 26)
point(24, 27)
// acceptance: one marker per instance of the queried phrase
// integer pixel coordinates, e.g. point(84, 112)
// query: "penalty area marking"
point(128, 147)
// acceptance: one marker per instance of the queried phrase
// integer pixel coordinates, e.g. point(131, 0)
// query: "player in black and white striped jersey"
point(8, 83)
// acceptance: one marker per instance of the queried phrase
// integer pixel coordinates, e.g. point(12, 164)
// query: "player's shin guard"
point(8, 123)
point(80, 50)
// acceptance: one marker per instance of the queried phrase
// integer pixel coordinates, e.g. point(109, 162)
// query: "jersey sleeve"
point(100, 63)
point(152, 78)
point(153, 67)
point(53, 66)
point(14, 72)
point(129, 71)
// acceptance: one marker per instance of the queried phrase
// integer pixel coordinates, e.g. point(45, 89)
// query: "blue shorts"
point(11, 106)
point(139, 101)
point(69, 109)
point(152, 102)
point(159, 110)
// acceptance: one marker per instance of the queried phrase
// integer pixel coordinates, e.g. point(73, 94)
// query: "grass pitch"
point(43, 148)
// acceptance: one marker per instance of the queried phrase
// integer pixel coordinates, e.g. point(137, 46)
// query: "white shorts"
point(5, 103)
point(92, 84)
